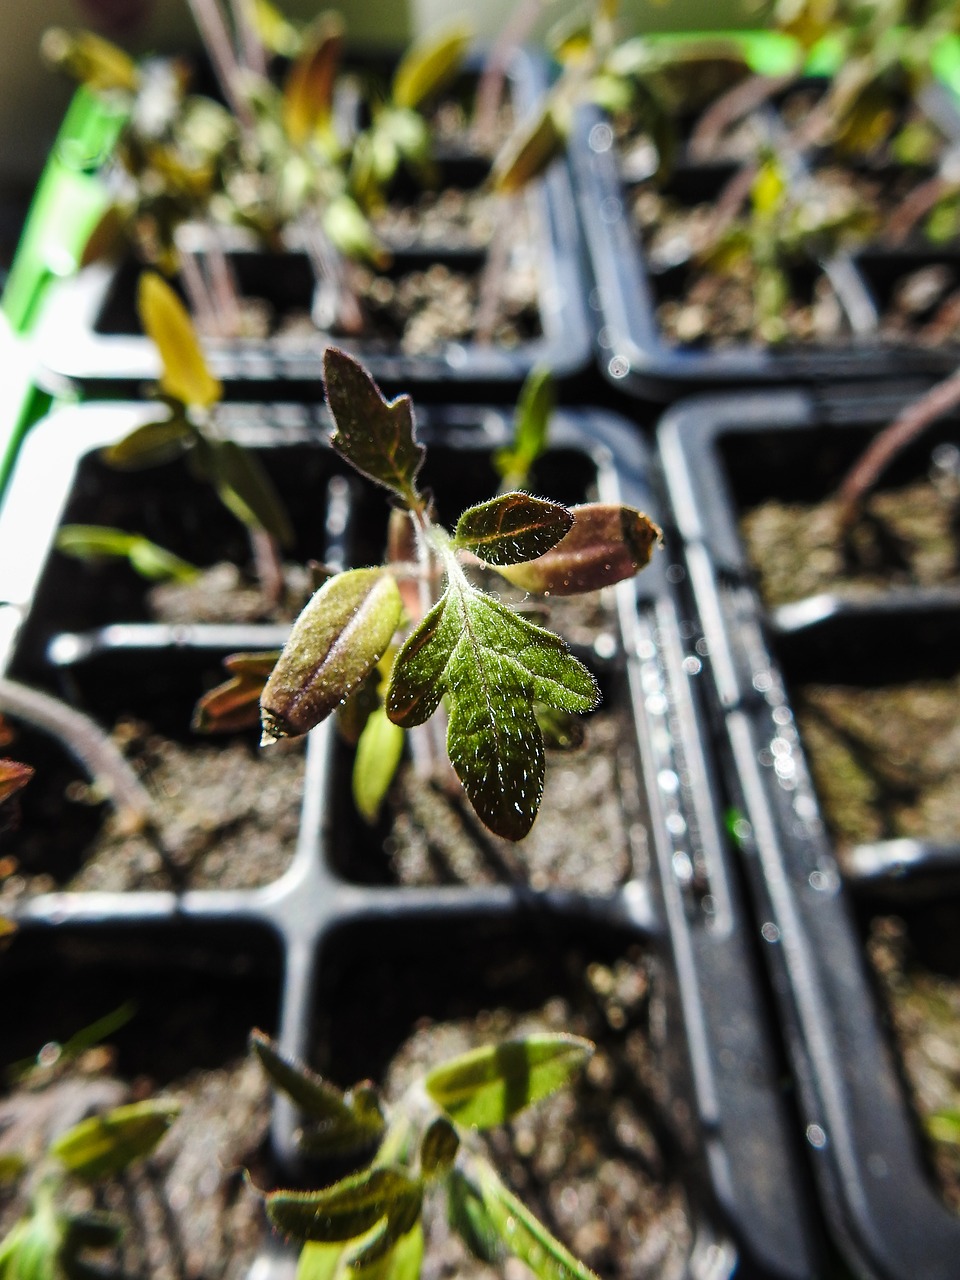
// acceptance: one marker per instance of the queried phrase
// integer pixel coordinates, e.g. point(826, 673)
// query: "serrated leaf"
point(468, 1216)
point(105, 1145)
point(493, 665)
point(374, 435)
point(438, 1148)
point(150, 444)
point(523, 1234)
point(348, 1209)
point(165, 320)
point(244, 488)
point(14, 776)
point(308, 90)
point(339, 637)
point(429, 64)
point(97, 63)
point(531, 424)
point(512, 528)
point(341, 1125)
point(528, 152)
point(608, 542)
point(490, 1085)
point(379, 752)
point(235, 704)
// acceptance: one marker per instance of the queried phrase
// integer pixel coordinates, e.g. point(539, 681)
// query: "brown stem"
point(252, 52)
point(198, 295)
point(224, 288)
point(490, 88)
point(893, 439)
point(944, 323)
point(729, 203)
point(268, 565)
point(335, 304)
point(729, 109)
point(915, 205)
point(216, 39)
point(494, 270)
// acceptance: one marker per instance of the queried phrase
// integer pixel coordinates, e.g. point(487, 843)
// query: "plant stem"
point(216, 38)
point(913, 207)
point(335, 304)
point(490, 88)
point(494, 271)
point(893, 439)
point(268, 565)
point(730, 108)
point(224, 288)
point(251, 47)
point(198, 295)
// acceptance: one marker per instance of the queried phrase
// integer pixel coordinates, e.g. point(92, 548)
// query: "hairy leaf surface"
point(339, 637)
point(607, 543)
point(493, 665)
point(512, 528)
point(374, 435)
point(490, 1085)
point(348, 1209)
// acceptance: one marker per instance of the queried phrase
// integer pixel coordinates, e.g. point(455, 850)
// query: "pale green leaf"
point(523, 1234)
point(349, 1209)
point(607, 543)
point(531, 424)
point(490, 1085)
point(340, 636)
point(93, 542)
point(379, 752)
point(528, 152)
point(245, 488)
point(95, 62)
point(512, 528)
point(429, 64)
point(105, 1145)
point(165, 320)
point(350, 231)
point(150, 444)
point(31, 1250)
point(319, 1261)
point(374, 435)
point(275, 32)
point(493, 665)
point(468, 1216)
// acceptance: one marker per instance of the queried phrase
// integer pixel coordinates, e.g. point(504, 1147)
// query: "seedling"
point(91, 542)
point(490, 667)
point(370, 1222)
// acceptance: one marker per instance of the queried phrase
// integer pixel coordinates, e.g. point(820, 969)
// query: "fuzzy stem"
point(216, 38)
point(893, 439)
point(730, 108)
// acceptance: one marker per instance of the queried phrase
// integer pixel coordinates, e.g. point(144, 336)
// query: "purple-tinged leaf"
point(308, 91)
point(608, 542)
point(235, 704)
point(512, 528)
point(374, 435)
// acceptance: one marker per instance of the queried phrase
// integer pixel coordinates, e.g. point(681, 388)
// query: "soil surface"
point(907, 537)
point(187, 1212)
point(592, 1161)
point(229, 817)
point(223, 593)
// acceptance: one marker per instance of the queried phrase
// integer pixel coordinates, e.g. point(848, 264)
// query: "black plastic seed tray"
point(346, 921)
point(89, 332)
point(633, 285)
point(816, 700)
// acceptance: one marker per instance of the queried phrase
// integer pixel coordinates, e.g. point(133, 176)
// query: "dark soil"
point(223, 593)
point(229, 819)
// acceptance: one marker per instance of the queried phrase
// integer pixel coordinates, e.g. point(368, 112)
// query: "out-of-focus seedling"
point(92, 542)
point(489, 666)
point(370, 1222)
point(51, 1240)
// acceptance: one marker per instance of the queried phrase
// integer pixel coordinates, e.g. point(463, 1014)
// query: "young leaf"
point(527, 153)
point(32, 1249)
point(105, 1145)
point(468, 1216)
point(235, 704)
point(379, 752)
point(339, 637)
point(490, 1085)
point(14, 776)
point(245, 488)
point(374, 435)
point(607, 543)
point(512, 528)
point(94, 541)
point(150, 444)
point(319, 1261)
point(342, 1125)
point(530, 427)
point(308, 91)
point(165, 320)
point(430, 64)
point(275, 32)
point(438, 1148)
point(348, 1209)
point(95, 62)
point(523, 1234)
point(12, 1165)
point(493, 665)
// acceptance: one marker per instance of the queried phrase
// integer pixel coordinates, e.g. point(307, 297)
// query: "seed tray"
point(816, 885)
point(631, 284)
point(724, 1104)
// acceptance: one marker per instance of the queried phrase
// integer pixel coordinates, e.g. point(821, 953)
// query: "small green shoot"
point(91, 542)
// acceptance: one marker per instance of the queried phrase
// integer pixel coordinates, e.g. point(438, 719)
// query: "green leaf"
point(319, 1261)
point(493, 665)
point(94, 541)
point(374, 435)
point(95, 62)
point(561, 730)
point(339, 637)
point(438, 1148)
point(32, 1248)
point(104, 1145)
point(530, 428)
point(490, 1085)
point(235, 704)
point(244, 488)
point(512, 528)
point(608, 542)
point(527, 152)
point(429, 64)
point(348, 1209)
point(12, 1165)
point(275, 32)
point(379, 752)
point(308, 91)
point(523, 1234)
point(341, 1124)
point(150, 444)
point(165, 320)
point(468, 1216)
point(350, 231)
